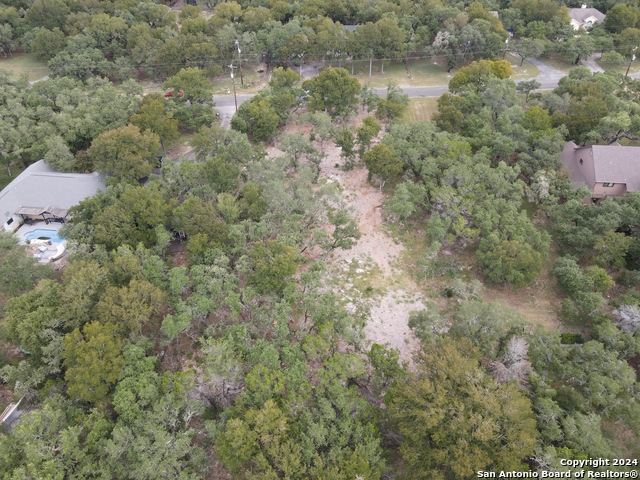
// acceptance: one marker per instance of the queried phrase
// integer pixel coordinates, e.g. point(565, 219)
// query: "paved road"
point(548, 79)
point(226, 106)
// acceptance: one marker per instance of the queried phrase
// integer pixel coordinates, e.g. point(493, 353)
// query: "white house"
point(585, 17)
point(41, 193)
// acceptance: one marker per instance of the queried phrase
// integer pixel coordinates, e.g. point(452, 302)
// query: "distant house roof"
point(39, 189)
point(582, 15)
point(603, 164)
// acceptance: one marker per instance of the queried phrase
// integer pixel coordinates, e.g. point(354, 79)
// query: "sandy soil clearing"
point(377, 252)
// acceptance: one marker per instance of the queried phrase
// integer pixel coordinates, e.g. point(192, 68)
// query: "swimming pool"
point(44, 233)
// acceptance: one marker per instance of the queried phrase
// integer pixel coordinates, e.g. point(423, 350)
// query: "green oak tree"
point(333, 91)
point(473, 422)
point(125, 152)
point(154, 118)
point(382, 162)
point(93, 361)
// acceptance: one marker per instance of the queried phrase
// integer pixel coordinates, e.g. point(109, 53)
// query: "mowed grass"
point(254, 78)
point(423, 72)
point(622, 69)
point(24, 64)
point(559, 62)
point(428, 71)
point(421, 109)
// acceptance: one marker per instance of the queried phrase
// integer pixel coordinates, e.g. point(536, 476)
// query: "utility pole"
point(633, 57)
point(239, 62)
point(506, 46)
point(233, 81)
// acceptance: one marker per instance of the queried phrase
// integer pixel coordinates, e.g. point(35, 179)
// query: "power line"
point(248, 57)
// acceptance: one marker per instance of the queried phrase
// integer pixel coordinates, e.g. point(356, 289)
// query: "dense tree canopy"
point(125, 152)
point(204, 323)
point(473, 423)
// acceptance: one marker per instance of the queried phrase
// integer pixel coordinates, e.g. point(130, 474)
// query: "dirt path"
point(374, 259)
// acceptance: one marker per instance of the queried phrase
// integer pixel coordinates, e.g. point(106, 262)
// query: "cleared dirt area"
point(368, 278)
point(377, 277)
point(369, 271)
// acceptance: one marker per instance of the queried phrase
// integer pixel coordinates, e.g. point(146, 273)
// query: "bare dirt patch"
point(178, 253)
point(179, 151)
point(374, 281)
point(367, 277)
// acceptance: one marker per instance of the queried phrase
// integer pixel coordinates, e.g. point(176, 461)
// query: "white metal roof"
point(41, 187)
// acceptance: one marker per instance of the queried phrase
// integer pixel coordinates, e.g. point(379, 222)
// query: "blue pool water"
point(42, 232)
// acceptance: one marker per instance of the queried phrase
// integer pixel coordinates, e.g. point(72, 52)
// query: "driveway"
point(226, 106)
point(591, 64)
point(548, 77)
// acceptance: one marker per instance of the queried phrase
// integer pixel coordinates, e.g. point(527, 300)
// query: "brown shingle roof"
point(617, 164)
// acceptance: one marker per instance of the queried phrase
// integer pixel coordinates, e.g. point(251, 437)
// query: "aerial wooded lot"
point(322, 276)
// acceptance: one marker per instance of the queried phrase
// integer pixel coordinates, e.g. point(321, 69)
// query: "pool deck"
point(40, 249)
point(20, 233)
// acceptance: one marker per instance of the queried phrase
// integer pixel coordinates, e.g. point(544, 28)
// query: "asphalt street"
point(548, 79)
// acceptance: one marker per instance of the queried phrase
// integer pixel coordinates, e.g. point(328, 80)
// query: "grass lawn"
point(254, 80)
point(24, 64)
point(421, 109)
point(424, 72)
point(622, 69)
point(559, 62)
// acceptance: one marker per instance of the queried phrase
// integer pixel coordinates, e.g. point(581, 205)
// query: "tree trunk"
point(370, 65)
point(406, 67)
point(164, 149)
point(353, 65)
point(382, 67)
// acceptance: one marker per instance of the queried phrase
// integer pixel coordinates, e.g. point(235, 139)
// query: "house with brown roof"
point(606, 170)
point(585, 17)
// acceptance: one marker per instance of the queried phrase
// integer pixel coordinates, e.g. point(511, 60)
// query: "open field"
point(253, 75)
point(421, 109)
point(424, 72)
point(24, 64)
point(635, 67)
point(539, 303)
point(559, 62)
